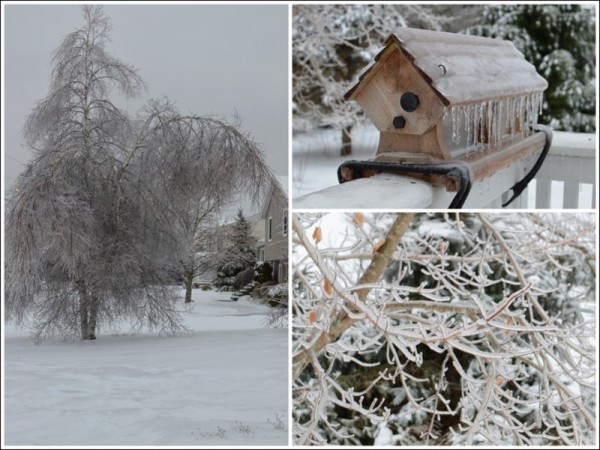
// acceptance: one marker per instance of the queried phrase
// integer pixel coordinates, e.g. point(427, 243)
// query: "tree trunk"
point(188, 280)
point(346, 141)
point(88, 312)
point(93, 318)
point(84, 322)
point(83, 309)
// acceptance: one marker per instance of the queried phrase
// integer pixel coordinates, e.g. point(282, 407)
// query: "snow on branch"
point(443, 329)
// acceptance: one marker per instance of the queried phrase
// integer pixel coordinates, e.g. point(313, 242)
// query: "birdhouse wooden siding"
point(447, 96)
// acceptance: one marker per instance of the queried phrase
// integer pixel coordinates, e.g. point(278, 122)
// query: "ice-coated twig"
point(489, 370)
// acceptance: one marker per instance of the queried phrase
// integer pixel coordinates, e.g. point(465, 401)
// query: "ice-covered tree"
point(560, 41)
point(436, 329)
point(331, 43)
point(239, 255)
point(80, 249)
point(111, 207)
point(195, 166)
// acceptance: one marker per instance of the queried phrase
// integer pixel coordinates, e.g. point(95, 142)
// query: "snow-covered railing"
point(567, 179)
point(571, 163)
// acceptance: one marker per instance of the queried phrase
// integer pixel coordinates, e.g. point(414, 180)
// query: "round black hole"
point(409, 101)
point(399, 122)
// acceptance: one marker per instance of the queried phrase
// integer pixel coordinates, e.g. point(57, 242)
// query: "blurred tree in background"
point(559, 40)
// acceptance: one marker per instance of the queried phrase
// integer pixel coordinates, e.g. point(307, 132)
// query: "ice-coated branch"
point(371, 275)
point(479, 330)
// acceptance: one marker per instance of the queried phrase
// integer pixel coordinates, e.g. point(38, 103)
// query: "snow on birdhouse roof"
point(460, 68)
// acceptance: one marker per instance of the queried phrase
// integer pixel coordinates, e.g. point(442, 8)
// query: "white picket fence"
point(567, 180)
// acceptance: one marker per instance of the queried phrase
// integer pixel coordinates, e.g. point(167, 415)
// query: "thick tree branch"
point(372, 275)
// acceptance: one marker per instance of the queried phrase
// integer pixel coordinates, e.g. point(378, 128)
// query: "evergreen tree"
point(240, 256)
point(559, 40)
point(263, 272)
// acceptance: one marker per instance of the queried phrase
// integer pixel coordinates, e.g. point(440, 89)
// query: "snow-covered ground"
point(316, 157)
point(225, 383)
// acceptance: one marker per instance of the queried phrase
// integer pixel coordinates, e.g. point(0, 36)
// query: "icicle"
point(507, 118)
point(517, 124)
point(513, 115)
point(533, 112)
point(494, 125)
point(527, 109)
point(502, 119)
point(472, 125)
point(495, 121)
point(454, 124)
point(480, 125)
point(498, 123)
point(511, 118)
point(529, 113)
point(489, 121)
point(471, 136)
point(467, 125)
point(521, 117)
point(536, 108)
point(517, 117)
point(464, 123)
point(499, 129)
point(475, 126)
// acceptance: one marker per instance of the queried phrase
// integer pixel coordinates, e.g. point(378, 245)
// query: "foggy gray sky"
point(211, 60)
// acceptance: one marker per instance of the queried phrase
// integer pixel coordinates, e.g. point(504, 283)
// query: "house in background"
point(257, 226)
point(270, 229)
point(274, 247)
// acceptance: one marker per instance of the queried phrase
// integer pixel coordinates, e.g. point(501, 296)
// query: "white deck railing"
point(568, 174)
point(566, 180)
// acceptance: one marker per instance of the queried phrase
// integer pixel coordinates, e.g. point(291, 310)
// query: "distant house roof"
point(460, 68)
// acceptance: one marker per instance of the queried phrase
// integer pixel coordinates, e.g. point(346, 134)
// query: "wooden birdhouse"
point(438, 99)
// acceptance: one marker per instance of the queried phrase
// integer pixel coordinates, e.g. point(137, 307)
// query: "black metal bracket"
point(457, 173)
point(522, 185)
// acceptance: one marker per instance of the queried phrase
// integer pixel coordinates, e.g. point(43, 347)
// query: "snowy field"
point(316, 157)
point(225, 383)
point(316, 160)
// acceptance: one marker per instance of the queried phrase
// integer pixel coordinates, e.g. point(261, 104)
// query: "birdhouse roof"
point(460, 68)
